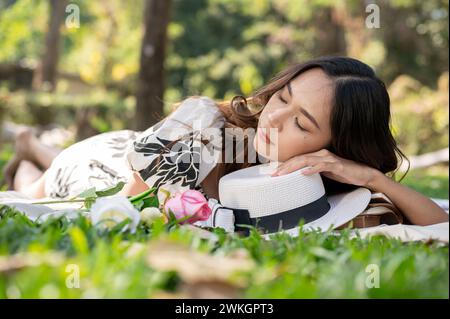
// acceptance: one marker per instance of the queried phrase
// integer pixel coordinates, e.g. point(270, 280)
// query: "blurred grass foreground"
point(61, 259)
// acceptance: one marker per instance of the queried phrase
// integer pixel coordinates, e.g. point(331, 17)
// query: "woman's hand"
point(418, 209)
point(331, 166)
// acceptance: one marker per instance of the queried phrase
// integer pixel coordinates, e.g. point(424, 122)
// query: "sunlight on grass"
point(432, 182)
point(6, 153)
point(36, 261)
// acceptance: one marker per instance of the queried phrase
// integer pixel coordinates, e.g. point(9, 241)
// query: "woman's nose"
point(278, 117)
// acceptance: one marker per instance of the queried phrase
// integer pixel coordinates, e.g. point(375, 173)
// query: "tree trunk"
point(45, 77)
point(151, 81)
point(330, 33)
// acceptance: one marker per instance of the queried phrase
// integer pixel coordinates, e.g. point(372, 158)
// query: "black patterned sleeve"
point(173, 152)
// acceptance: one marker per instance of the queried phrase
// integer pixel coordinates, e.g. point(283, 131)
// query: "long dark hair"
point(360, 117)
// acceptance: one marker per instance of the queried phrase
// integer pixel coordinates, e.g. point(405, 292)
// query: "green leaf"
point(111, 191)
point(143, 194)
point(88, 193)
point(150, 202)
point(88, 202)
point(79, 240)
point(139, 205)
point(174, 221)
point(172, 216)
point(120, 226)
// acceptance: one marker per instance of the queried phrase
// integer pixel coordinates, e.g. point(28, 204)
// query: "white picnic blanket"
point(409, 232)
point(439, 232)
point(35, 212)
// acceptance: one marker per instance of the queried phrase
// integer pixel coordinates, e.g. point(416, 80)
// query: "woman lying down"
point(330, 115)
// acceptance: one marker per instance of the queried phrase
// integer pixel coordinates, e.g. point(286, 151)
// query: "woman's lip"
point(264, 136)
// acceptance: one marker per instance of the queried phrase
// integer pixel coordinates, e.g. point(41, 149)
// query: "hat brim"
point(343, 208)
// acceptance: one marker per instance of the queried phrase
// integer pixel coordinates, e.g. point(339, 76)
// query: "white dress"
point(173, 153)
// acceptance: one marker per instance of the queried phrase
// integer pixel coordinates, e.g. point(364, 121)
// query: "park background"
point(121, 64)
point(124, 63)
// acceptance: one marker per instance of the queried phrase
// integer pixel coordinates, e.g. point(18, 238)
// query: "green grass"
point(35, 260)
point(432, 182)
point(6, 151)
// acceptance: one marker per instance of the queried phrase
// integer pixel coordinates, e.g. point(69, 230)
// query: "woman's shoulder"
point(198, 101)
point(200, 108)
point(171, 152)
point(194, 112)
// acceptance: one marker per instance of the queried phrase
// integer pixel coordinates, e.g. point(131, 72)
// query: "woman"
point(331, 114)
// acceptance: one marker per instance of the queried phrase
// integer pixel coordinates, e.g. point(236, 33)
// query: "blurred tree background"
point(218, 48)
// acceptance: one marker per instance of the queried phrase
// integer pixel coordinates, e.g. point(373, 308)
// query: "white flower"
point(150, 214)
point(109, 211)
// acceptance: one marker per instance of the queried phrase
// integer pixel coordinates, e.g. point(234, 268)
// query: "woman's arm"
point(417, 208)
point(134, 186)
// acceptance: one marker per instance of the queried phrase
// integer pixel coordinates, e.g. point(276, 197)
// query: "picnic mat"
point(438, 232)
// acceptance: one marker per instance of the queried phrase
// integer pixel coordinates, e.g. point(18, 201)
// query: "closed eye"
point(281, 98)
point(296, 119)
point(299, 126)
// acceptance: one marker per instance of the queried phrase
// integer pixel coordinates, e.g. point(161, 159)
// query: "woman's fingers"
point(311, 159)
point(320, 167)
point(330, 165)
point(296, 163)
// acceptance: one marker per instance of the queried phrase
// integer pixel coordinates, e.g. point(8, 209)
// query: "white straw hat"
point(251, 196)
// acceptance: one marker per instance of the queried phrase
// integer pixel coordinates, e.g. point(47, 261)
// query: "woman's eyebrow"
point(304, 112)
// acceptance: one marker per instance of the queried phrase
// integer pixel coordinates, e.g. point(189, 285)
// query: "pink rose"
point(189, 203)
